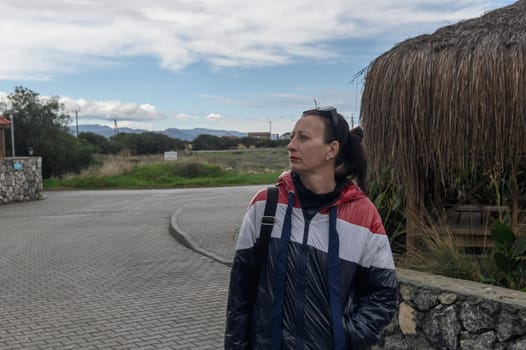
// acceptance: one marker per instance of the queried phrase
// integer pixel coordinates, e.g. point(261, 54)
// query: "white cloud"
point(134, 115)
point(111, 110)
point(213, 116)
point(50, 36)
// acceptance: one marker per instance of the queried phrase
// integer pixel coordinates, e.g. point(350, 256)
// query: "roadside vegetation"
point(501, 261)
point(191, 169)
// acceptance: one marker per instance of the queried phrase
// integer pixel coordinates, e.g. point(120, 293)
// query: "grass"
point(438, 251)
point(192, 169)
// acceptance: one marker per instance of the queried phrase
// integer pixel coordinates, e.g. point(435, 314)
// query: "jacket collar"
point(350, 192)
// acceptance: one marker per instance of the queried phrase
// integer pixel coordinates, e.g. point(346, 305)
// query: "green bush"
point(63, 154)
point(193, 170)
point(389, 201)
point(167, 171)
point(437, 251)
point(508, 258)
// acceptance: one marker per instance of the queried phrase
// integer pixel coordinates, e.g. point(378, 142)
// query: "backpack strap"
point(267, 223)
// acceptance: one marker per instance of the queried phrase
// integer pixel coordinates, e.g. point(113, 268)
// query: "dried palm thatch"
point(438, 103)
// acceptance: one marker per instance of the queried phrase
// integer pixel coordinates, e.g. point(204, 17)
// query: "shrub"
point(389, 201)
point(193, 170)
point(438, 252)
point(508, 267)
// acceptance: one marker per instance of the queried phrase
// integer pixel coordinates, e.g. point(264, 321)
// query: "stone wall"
point(444, 313)
point(20, 179)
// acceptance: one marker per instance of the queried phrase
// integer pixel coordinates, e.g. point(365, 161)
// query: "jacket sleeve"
point(377, 293)
point(242, 289)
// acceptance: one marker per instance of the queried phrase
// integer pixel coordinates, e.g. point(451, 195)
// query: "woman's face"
point(308, 151)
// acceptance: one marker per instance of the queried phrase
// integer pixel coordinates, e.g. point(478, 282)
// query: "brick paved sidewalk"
point(95, 270)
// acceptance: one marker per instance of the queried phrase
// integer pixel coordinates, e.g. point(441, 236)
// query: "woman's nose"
point(291, 145)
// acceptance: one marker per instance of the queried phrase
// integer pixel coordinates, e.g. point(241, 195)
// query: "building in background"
point(260, 135)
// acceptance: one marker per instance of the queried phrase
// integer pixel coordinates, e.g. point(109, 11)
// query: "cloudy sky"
point(241, 65)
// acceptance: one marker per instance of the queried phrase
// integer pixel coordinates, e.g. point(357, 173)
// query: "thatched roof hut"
point(438, 103)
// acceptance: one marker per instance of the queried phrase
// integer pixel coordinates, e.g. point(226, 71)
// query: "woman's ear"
point(333, 150)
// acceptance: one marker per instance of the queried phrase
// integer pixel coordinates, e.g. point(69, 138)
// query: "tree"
point(34, 118)
point(63, 153)
point(99, 143)
point(209, 142)
point(40, 127)
point(147, 143)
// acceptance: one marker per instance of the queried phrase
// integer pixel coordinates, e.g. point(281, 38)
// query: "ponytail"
point(353, 161)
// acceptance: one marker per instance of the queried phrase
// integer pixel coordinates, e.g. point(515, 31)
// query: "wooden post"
point(411, 215)
point(514, 200)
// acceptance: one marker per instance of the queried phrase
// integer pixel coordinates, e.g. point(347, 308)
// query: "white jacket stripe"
point(357, 243)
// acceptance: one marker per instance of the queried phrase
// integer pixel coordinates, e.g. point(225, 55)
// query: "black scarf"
point(312, 202)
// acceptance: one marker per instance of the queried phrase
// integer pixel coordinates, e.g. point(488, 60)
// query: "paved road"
point(99, 269)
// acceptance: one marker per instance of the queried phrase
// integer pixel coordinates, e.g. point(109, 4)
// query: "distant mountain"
point(105, 131)
point(181, 134)
point(190, 134)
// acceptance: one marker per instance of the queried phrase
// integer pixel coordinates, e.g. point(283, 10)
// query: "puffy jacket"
point(328, 283)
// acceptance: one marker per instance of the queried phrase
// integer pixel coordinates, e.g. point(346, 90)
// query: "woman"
point(329, 280)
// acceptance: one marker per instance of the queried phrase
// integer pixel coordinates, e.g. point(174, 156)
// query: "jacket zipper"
point(300, 310)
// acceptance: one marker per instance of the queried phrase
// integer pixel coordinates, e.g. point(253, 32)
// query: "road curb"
point(188, 241)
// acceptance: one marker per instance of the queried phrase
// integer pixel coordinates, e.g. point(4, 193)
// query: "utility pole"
point(270, 128)
point(116, 128)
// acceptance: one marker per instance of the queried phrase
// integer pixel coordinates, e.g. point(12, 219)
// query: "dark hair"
point(351, 159)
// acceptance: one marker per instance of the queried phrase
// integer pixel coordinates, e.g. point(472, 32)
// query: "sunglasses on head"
point(331, 113)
